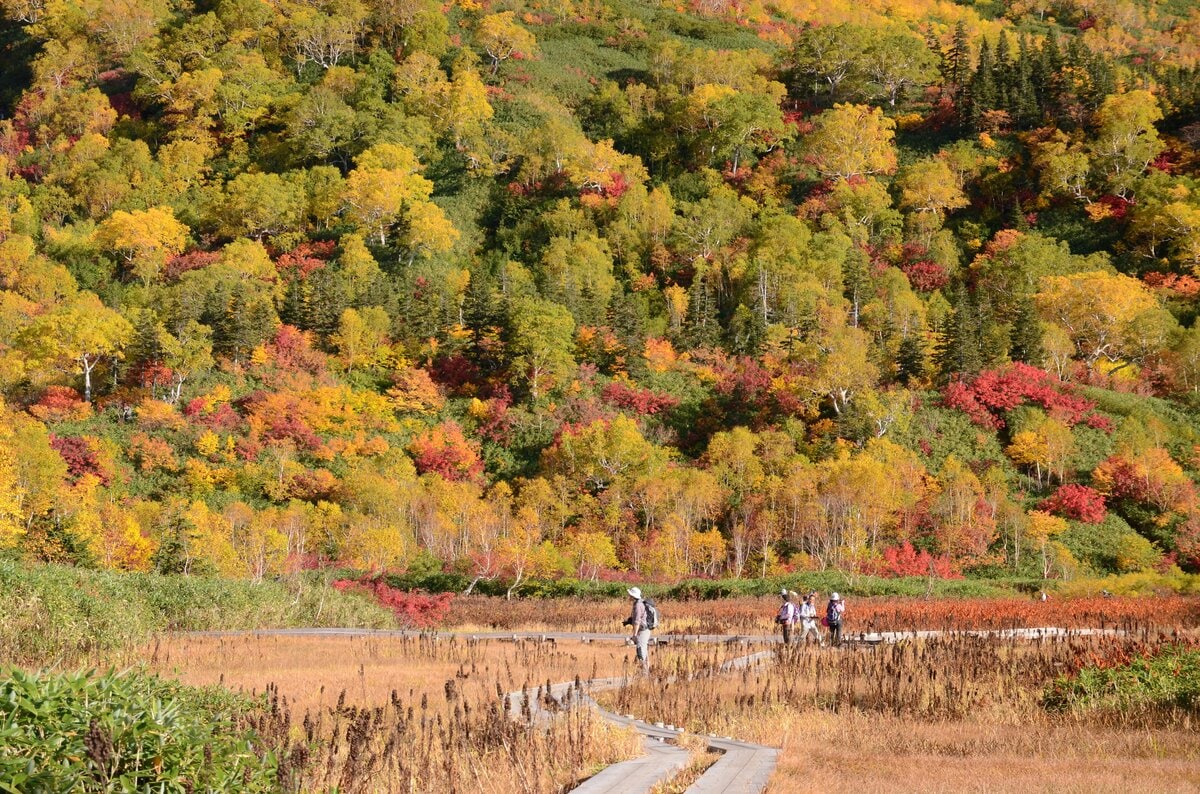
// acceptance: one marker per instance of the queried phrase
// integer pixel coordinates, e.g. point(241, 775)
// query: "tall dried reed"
point(416, 714)
point(947, 677)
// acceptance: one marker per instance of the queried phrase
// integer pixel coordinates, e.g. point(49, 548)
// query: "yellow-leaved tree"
point(144, 239)
point(501, 37)
point(386, 189)
point(12, 494)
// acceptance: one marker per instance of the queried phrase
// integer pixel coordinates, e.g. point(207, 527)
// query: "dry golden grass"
point(955, 714)
point(387, 714)
point(314, 672)
point(858, 752)
point(702, 758)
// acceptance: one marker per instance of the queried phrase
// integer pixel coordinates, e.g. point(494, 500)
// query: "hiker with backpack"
point(808, 620)
point(786, 617)
point(833, 618)
point(642, 619)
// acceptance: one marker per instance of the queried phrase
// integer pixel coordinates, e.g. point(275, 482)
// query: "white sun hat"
point(634, 592)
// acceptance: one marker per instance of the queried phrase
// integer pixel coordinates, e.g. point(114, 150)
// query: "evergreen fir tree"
point(1024, 100)
point(983, 92)
point(910, 360)
point(1047, 77)
point(960, 353)
point(1026, 344)
point(628, 313)
point(1003, 75)
point(746, 331)
point(956, 70)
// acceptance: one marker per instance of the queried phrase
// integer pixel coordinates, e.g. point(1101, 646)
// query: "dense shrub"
point(1169, 679)
point(1076, 501)
point(123, 733)
point(412, 609)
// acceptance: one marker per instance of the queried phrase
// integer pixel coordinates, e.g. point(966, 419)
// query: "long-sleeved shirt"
point(637, 618)
point(808, 612)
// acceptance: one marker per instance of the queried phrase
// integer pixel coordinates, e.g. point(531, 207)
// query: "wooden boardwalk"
point(743, 768)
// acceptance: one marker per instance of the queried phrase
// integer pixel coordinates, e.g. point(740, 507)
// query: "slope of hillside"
point(600, 289)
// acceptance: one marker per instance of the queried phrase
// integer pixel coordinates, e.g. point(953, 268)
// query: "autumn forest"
point(529, 290)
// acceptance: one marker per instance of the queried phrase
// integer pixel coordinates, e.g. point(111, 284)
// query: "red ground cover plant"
point(751, 615)
point(413, 609)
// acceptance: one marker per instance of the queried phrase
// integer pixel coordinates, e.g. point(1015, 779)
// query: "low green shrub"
point(57, 614)
point(1138, 583)
point(1168, 680)
point(123, 733)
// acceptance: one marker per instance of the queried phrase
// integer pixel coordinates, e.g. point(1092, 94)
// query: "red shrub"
point(925, 276)
point(80, 457)
point(1076, 501)
point(305, 259)
point(996, 391)
point(640, 401)
point(191, 260)
point(904, 560)
point(59, 404)
point(293, 349)
point(446, 451)
point(413, 609)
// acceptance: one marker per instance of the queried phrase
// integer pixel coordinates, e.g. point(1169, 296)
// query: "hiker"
point(638, 620)
point(786, 618)
point(833, 618)
point(808, 620)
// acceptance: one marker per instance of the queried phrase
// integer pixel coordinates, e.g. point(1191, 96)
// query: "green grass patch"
point(53, 614)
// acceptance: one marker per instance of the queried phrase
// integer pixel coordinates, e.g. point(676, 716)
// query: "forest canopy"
point(596, 288)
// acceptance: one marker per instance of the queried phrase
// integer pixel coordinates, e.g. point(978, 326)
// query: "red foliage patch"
point(80, 457)
point(925, 276)
point(1118, 207)
point(497, 424)
point(315, 486)
point(413, 609)
point(1076, 501)
point(904, 560)
point(189, 260)
point(457, 374)
point(305, 259)
point(996, 391)
point(641, 401)
point(446, 451)
point(60, 403)
point(293, 349)
point(1181, 286)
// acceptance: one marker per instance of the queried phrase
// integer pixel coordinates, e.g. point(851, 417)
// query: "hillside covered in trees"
point(582, 287)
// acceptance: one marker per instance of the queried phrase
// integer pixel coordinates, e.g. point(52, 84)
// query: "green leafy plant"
point(125, 732)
